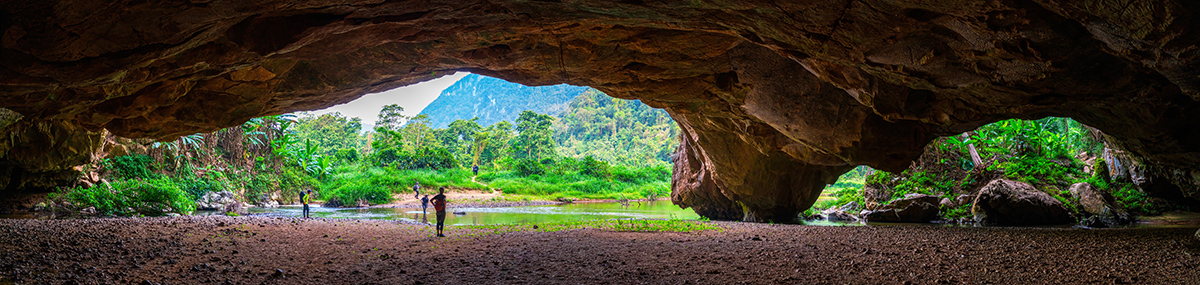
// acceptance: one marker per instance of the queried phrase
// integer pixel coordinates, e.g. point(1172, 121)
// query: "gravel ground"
point(258, 250)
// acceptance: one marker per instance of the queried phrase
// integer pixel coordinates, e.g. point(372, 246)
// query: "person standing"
point(416, 189)
point(439, 205)
point(475, 169)
point(306, 197)
point(424, 203)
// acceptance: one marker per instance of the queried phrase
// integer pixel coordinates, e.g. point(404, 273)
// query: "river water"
point(500, 215)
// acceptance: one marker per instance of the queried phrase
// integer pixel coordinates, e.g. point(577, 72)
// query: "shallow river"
point(501, 215)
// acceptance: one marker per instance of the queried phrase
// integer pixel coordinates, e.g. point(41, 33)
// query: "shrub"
point(293, 181)
point(593, 167)
point(351, 193)
point(197, 187)
point(130, 197)
point(346, 154)
point(527, 167)
point(135, 166)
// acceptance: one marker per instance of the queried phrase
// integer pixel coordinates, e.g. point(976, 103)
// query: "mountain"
point(493, 100)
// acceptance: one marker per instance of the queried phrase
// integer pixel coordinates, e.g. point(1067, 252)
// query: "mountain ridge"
point(493, 100)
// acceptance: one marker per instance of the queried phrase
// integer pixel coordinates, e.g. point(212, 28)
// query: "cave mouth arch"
point(1058, 157)
point(775, 100)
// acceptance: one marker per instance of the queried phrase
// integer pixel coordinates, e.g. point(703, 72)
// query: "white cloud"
point(413, 98)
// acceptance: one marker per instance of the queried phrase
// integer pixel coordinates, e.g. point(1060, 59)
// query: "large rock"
point(913, 208)
point(218, 201)
point(843, 213)
point(777, 98)
point(1099, 204)
point(1012, 203)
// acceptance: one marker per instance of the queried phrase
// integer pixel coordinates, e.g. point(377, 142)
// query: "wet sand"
point(258, 250)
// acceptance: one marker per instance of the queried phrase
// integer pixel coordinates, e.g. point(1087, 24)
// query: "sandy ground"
point(257, 250)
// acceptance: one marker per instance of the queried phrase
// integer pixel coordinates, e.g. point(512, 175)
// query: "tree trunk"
point(971, 149)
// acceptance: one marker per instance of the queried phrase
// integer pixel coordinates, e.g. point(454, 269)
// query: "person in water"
point(424, 203)
point(306, 197)
point(416, 189)
point(439, 205)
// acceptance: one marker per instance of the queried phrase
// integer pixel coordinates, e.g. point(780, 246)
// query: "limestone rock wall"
point(776, 97)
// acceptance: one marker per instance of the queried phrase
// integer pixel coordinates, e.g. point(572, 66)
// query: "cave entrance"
point(1052, 156)
point(492, 142)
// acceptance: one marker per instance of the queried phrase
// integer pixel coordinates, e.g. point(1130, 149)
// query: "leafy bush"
point(197, 187)
point(527, 167)
point(349, 194)
point(349, 155)
point(593, 167)
point(135, 166)
point(293, 181)
point(131, 197)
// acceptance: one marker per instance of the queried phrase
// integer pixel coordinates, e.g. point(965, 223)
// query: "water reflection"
point(502, 215)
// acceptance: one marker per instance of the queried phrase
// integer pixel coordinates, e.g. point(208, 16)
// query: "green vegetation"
point(619, 131)
point(634, 225)
point(1045, 153)
point(847, 189)
point(131, 197)
point(274, 158)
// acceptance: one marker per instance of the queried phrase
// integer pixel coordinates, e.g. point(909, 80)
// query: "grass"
point(619, 225)
point(623, 183)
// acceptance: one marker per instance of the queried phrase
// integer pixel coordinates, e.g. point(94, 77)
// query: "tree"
point(460, 134)
point(534, 139)
point(417, 134)
point(391, 117)
point(492, 143)
point(622, 132)
point(330, 132)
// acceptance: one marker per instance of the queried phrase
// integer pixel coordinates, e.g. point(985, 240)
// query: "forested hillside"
point(493, 100)
point(601, 148)
point(624, 132)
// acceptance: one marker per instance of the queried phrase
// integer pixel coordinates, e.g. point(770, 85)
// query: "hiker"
point(439, 205)
point(416, 189)
point(475, 169)
point(306, 197)
point(424, 203)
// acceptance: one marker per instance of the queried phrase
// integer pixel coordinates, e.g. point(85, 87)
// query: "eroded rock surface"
point(1013, 203)
point(1099, 205)
point(913, 208)
point(776, 98)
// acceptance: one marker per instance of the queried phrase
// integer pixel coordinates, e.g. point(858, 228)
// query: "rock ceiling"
point(776, 98)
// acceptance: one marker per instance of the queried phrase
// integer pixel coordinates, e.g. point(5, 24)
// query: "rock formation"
point(776, 98)
point(1012, 203)
point(913, 208)
point(1099, 205)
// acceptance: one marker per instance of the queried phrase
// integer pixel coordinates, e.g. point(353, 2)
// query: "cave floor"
point(253, 250)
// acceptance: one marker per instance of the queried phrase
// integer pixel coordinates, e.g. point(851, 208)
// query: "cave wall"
point(775, 99)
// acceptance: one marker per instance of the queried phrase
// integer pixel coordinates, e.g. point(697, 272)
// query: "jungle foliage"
point(273, 158)
point(1049, 153)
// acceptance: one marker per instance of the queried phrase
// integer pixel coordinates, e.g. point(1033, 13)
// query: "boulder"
point(843, 213)
point(1100, 206)
point(963, 200)
point(913, 208)
point(217, 201)
point(850, 207)
point(946, 203)
point(1012, 203)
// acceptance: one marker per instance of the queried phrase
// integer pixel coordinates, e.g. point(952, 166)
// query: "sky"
point(413, 98)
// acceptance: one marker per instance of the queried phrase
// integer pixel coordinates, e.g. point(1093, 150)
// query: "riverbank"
point(320, 251)
point(473, 198)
